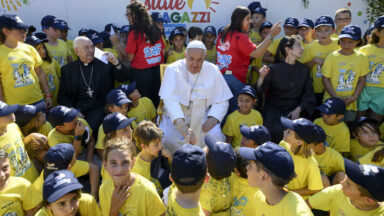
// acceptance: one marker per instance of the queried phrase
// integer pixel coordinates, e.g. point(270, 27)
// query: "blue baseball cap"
point(12, 21)
point(108, 27)
point(265, 24)
point(83, 31)
point(116, 121)
point(50, 21)
point(274, 157)
point(303, 127)
point(128, 88)
point(61, 114)
point(306, 23)
point(221, 158)
point(257, 133)
point(379, 23)
point(254, 5)
point(125, 28)
point(324, 21)
point(26, 112)
point(175, 32)
point(58, 157)
point(320, 135)
point(368, 176)
point(351, 31)
point(64, 25)
point(210, 30)
point(259, 10)
point(40, 35)
point(6, 109)
point(95, 37)
point(369, 30)
point(58, 184)
point(333, 106)
point(188, 165)
point(157, 17)
point(247, 89)
point(34, 41)
point(291, 21)
point(117, 97)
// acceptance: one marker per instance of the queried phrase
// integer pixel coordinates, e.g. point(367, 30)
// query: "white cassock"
point(193, 97)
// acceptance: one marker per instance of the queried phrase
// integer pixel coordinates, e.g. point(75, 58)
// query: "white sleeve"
point(219, 110)
point(173, 109)
point(165, 195)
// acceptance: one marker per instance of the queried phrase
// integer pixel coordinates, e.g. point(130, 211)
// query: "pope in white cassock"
point(195, 97)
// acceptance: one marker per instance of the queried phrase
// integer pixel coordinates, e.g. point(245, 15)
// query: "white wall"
point(96, 13)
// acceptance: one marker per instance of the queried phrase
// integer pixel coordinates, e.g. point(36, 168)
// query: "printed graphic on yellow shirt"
point(345, 78)
point(375, 72)
point(21, 74)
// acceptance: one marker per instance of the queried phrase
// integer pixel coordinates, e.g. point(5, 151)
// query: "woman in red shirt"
point(145, 49)
point(235, 49)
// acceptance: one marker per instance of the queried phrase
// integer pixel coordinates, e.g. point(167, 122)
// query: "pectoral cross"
point(90, 92)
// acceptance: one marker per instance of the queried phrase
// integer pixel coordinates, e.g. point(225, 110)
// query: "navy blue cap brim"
point(123, 101)
point(97, 41)
point(292, 25)
point(247, 153)
point(353, 171)
point(22, 26)
point(305, 25)
point(10, 109)
point(245, 131)
point(71, 115)
point(36, 42)
point(286, 122)
point(210, 141)
point(62, 191)
point(125, 123)
point(323, 109)
point(324, 25)
point(349, 36)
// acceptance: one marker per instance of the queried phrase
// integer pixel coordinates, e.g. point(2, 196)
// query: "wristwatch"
point(79, 138)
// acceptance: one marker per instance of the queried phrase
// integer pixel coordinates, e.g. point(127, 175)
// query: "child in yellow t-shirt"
point(298, 137)
point(64, 36)
point(215, 197)
point(270, 168)
point(148, 139)
point(50, 67)
point(366, 137)
point(188, 173)
point(360, 193)
point(15, 194)
point(305, 30)
point(258, 16)
point(142, 107)
point(126, 193)
point(344, 71)
point(343, 17)
point(68, 128)
point(209, 38)
point(331, 163)
point(338, 136)
point(177, 49)
point(374, 157)
point(371, 98)
point(244, 115)
point(56, 47)
point(62, 196)
point(254, 136)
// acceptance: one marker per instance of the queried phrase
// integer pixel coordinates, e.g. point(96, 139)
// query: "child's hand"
point(166, 153)
point(80, 129)
point(37, 140)
point(264, 71)
point(119, 195)
point(48, 102)
point(276, 29)
point(349, 100)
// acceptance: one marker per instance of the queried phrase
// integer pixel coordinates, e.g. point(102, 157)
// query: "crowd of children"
point(330, 161)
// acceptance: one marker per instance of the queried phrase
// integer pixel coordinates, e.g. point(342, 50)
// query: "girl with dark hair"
point(290, 85)
point(145, 48)
point(234, 50)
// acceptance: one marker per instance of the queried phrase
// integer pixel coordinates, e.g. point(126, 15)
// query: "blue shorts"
point(371, 98)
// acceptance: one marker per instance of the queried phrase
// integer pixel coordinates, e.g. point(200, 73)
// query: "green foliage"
point(374, 10)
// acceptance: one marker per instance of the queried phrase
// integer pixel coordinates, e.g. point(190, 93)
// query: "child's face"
point(348, 43)
point(289, 31)
point(245, 142)
point(41, 50)
point(125, 132)
point(135, 95)
point(153, 148)
point(209, 39)
point(18, 35)
point(257, 19)
point(378, 33)
point(246, 23)
point(253, 174)
point(289, 137)
point(317, 149)
point(119, 165)
point(305, 32)
point(124, 37)
point(350, 189)
point(178, 42)
point(123, 109)
point(265, 33)
point(367, 136)
point(69, 126)
point(4, 120)
point(5, 172)
point(64, 34)
point(323, 33)
point(342, 19)
point(53, 33)
point(331, 119)
point(67, 205)
point(245, 103)
point(100, 45)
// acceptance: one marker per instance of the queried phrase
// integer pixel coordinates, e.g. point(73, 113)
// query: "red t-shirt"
point(233, 54)
point(147, 55)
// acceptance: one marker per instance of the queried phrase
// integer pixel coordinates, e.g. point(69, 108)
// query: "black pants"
point(148, 82)
point(95, 118)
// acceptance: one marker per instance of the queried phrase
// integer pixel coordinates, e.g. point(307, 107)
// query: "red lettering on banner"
point(165, 4)
point(202, 19)
point(194, 19)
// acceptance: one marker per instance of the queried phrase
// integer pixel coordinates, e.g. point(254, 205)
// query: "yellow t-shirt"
point(338, 136)
point(16, 197)
point(381, 129)
point(143, 200)
point(87, 206)
point(18, 77)
point(243, 196)
point(51, 71)
point(312, 51)
point(253, 75)
point(45, 129)
point(101, 136)
point(333, 199)
point(367, 158)
point(143, 168)
point(291, 205)
point(335, 36)
point(255, 36)
point(375, 56)
point(113, 51)
point(344, 73)
point(235, 119)
point(307, 171)
point(166, 43)
point(174, 209)
point(55, 137)
point(215, 196)
point(70, 47)
point(175, 56)
point(330, 162)
point(273, 47)
point(358, 151)
point(12, 143)
point(211, 55)
point(305, 45)
point(60, 52)
point(144, 111)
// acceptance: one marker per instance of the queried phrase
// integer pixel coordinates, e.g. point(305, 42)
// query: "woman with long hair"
point(145, 49)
